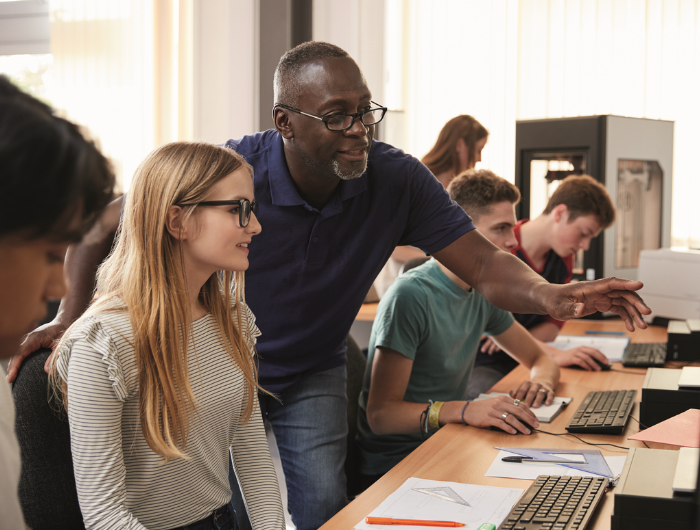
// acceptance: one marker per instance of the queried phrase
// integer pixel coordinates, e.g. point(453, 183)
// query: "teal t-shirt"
point(428, 318)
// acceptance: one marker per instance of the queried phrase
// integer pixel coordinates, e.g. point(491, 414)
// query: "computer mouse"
point(604, 367)
point(532, 429)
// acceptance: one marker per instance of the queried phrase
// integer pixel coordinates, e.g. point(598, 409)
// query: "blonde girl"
point(159, 374)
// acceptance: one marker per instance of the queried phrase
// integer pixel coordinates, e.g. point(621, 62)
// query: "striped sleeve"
point(256, 474)
point(94, 414)
point(254, 469)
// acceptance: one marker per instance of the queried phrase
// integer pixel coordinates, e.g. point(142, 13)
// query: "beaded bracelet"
point(463, 409)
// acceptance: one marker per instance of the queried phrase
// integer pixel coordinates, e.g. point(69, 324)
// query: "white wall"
point(225, 69)
point(24, 27)
point(357, 26)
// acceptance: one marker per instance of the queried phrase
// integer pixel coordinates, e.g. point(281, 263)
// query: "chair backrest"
point(412, 264)
point(47, 490)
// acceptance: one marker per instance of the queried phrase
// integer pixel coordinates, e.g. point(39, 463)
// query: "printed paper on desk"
point(682, 430)
point(502, 469)
point(465, 503)
point(612, 347)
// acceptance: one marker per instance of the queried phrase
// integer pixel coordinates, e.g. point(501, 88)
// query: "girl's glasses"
point(245, 208)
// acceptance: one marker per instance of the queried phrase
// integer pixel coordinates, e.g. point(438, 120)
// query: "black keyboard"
point(645, 354)
point(556, 503)
point(603, 412)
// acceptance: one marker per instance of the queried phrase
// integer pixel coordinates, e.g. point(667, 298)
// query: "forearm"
point(500, 277)
point(510, 284)
point(553, 352)
point(403, 417)
point(82, 261)
point(545, 371)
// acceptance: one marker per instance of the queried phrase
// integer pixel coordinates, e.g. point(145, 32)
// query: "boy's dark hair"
point(49, 171)
point(583, 195)
point(476, 190)
point(286, 84)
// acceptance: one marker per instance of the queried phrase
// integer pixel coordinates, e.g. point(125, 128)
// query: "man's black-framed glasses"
point(342, 122)
point(245, 208)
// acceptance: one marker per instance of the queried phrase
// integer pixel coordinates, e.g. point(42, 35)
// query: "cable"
point(580, 439)
point(640, 423)
point(643, 427)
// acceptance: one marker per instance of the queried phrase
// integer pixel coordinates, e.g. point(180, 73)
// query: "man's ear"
point(283, 123)
point(174, 223)
point(560, 212)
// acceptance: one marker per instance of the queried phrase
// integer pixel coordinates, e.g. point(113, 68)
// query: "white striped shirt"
point(121, 482)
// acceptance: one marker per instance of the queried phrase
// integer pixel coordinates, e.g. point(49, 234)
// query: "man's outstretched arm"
point(81, 265)
point(510, 284)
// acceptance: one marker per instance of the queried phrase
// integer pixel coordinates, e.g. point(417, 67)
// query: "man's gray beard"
point(357, 173)
point(334, 167)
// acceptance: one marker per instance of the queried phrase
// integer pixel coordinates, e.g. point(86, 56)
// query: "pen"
point(528, 460)
point(596, 332)
point(411, 522)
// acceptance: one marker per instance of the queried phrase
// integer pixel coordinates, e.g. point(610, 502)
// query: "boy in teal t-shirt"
point(425, 339)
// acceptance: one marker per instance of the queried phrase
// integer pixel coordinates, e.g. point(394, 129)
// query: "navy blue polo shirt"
point(310, 270)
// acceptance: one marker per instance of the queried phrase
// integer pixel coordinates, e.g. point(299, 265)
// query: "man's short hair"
point(477, 190)
point(286, 83)
point(583, 195)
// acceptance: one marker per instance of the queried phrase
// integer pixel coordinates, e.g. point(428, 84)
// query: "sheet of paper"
point(690, 377)
point(612, 347)
point(686, 476)
point(683, 430)
point(532, 471)
point(469, 504)
point(545, 413)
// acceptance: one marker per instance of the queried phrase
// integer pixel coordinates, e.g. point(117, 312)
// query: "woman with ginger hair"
point(458, 148)
point(159, 374)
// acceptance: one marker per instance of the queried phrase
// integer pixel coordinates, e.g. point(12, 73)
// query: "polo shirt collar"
point(283, 190)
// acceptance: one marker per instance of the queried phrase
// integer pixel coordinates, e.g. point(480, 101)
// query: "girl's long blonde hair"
point(144, 273)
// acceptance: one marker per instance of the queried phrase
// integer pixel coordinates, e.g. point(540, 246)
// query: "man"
point(578, 211)
point(425, 340)
point(333, 206)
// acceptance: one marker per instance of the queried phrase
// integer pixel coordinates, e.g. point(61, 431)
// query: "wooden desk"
point(367, 312)
point(463, 454)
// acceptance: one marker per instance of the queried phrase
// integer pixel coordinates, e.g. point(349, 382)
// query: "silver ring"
point(542, 390)
point(516, 402)
point(504, 416)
